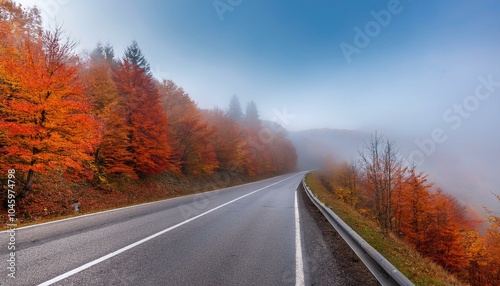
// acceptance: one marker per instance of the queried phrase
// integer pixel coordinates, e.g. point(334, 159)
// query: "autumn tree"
point(112, 155)
point(491, 269)
point(283, 154)
point(229, 146)
point(259, 160)
point(14, 23)
point(380, 163)
point(147, 141)
point(100, 87)
point(478, 271)
point(44, 112)
point(193, 152)
point(443, 238)
point(412, 207)
point(346, 182)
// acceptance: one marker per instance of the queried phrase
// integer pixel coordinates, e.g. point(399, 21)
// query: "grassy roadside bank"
point(420, 270)
point(56, 199)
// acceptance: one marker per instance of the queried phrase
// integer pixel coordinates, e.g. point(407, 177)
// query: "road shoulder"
point(328, 260)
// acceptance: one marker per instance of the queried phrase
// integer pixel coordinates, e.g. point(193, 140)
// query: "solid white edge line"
point(130, 246)
point(299, 264)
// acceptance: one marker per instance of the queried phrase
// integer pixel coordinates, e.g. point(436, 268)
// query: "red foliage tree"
point(146, 121)
point(227, 139)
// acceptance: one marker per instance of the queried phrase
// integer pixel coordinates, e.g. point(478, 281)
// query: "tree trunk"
point(29, 183)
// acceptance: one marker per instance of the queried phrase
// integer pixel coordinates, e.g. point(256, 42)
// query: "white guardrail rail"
point(381, 268)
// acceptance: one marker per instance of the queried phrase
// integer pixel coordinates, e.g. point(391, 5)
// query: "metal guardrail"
point(381, 268)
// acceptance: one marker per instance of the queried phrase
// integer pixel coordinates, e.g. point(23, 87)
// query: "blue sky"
point(286, 56)
point(286, 53)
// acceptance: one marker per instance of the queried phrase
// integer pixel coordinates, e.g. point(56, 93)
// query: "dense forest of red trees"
point(89, 117)
point(402, 201)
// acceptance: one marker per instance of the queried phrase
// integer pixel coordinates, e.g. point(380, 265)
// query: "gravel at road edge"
point(328, 260)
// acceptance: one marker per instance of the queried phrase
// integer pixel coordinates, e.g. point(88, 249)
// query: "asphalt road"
point(244, 235)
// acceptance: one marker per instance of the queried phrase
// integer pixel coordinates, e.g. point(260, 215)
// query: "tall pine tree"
point(235, 111)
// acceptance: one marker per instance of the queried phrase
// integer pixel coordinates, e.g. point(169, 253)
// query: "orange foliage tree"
point(112, 155)
point(258, 139)
point(193, 152)
point(227, 139)
point(344, 180)
point(268, 150)
point(44, 112)
point(443, 239)
point(491, 269)
point(412, 201)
